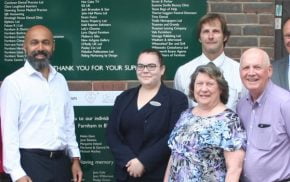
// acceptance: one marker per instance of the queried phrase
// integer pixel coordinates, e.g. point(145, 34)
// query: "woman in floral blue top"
point(207, 140)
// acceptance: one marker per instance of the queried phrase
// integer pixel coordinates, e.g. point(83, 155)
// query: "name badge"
point(155, 103)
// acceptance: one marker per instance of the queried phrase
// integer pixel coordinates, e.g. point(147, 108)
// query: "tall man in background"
point(264, 112)
point(39, 142)
point(281, 71)
point(213, 35)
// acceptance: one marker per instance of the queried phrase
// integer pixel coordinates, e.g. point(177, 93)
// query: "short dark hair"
point(213, 72)
point(156, 52)
point(211, 17)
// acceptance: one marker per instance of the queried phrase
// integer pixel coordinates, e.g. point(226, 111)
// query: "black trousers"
point(44, 168)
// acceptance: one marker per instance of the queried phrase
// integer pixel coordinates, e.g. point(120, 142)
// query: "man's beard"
point(39, 64)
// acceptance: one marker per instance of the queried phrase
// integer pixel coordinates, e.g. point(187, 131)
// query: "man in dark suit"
point(281, 74)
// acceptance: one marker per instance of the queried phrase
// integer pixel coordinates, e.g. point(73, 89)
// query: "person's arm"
point(135, 168)
point(74, 152)
point(167, 172)
point(234, 138)
point(10, 108)
point(69, 116)
point(120, 150)
point(150, 157)
point(24, 179)
point(76, 170)
point(234, 164)
point(286, 115)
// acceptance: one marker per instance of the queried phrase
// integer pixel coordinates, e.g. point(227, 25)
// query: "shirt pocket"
point(262, 138)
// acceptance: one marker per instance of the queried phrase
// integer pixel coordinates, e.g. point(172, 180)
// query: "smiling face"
point(212, 38)
point(206, 90)
point(255, 71)
point(149, 77)
point(38, 46)
point(286, 35)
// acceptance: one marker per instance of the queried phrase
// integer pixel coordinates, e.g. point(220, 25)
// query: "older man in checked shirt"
point(265, 113)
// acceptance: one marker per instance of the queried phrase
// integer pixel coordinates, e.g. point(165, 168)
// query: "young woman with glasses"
point(141, 122)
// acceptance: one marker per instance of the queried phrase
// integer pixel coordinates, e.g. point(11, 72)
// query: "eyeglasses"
point(150, 67)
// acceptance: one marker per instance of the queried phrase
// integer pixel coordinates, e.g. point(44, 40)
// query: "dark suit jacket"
point(280, 72)
point(153, 150)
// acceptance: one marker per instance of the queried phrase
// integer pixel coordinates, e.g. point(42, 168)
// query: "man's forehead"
point(214, 22)
point(252, 59)
point(287, 24)
point(38, 35)
point(39, 31)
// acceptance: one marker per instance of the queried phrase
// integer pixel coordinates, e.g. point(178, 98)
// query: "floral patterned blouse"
point(197, 145)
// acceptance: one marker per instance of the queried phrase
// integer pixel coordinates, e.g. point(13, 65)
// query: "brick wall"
point(251, 23)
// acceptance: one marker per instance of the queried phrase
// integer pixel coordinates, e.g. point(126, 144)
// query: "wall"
point(251, 23)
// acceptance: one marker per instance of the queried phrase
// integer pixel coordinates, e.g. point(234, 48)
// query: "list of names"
point(95, 31)
point(16, 13)
point(168, 27)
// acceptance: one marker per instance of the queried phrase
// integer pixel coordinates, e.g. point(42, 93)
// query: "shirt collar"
point(219, 61)
point(31, 71)
point(261, 100)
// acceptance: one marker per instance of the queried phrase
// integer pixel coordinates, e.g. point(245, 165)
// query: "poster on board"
point(100, 39)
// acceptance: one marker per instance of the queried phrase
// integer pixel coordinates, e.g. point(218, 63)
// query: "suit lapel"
point(126, 101)
point(157, 102)
point(283, 74)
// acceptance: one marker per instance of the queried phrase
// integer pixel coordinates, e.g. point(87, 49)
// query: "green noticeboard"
point(92, 110)
point(97, 161)
point(100, 39)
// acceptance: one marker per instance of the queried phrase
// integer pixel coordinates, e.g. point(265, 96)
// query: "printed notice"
point(168, 26)
point(96, 158)
point(101, 39)
point(95, 30)
point(15, 14)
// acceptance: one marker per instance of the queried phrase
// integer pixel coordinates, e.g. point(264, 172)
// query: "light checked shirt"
point(267, 124)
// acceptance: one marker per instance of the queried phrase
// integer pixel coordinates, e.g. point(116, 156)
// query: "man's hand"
point(24, 179)
point(76, 170)
point(135, 168)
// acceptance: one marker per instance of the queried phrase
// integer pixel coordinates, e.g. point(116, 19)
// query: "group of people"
point(224, 121)
point(234, 126)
